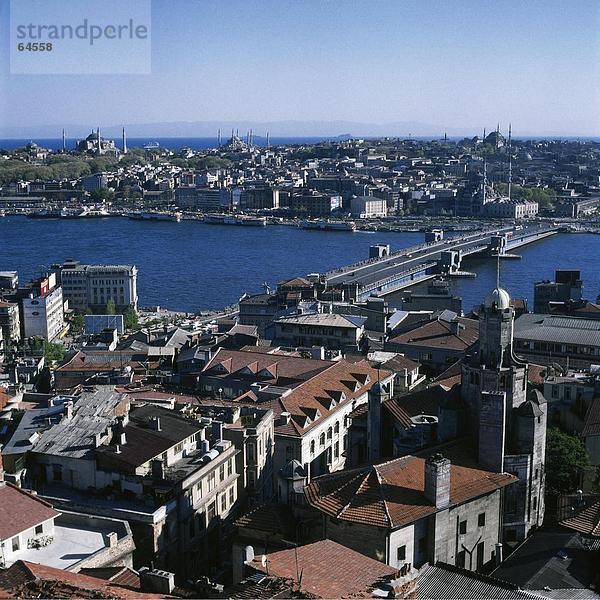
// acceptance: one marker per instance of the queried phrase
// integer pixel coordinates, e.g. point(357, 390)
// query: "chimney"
point(455, 327)
point(217, 431)
point(284, 418)
point(112, 539)
point(499, 554)
point(155, 580)
point(154, 423)
point(437, 480)
point(158, 469)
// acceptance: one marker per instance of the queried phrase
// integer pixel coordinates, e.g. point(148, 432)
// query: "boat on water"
point(326, 225)
point(45, 213)
point(155, 216)
point(2, 213)
point(221, 219)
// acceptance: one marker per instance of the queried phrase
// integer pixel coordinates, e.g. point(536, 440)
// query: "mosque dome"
point(497, 298)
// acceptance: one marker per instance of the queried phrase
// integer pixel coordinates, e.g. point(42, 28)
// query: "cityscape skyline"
point(455, 67)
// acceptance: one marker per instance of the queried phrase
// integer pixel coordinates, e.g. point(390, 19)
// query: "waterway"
point(191, 266)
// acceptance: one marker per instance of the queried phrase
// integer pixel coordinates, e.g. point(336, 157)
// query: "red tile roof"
point(323, 393)
point(438, 334)
point(329, 570)
point(26, 579)
point(586, 522)
point(20, 510)
point(391, 494)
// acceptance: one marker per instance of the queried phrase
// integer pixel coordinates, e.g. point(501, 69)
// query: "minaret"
point(484, 181)
point(99, 144)
point(124, 142)
point(219, 138)
point(64, 145)
point(267, 139)
point(509, 159)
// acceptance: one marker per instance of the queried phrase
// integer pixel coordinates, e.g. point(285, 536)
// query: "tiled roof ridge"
point(381, 481)
point(29, 494)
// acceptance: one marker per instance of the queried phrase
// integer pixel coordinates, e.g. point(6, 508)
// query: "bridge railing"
point(390, 278)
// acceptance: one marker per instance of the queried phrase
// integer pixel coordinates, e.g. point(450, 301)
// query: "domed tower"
point(496, 330)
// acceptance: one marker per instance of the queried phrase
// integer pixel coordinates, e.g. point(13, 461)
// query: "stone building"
point(506, 420)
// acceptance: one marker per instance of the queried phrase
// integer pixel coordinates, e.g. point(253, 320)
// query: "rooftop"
point(560, 329)
point(391, 494)
point(357, 575)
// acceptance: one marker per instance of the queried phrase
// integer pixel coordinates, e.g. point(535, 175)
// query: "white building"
point(43, 314)
point(92, 286)
point(504, 208)
point(365, 207)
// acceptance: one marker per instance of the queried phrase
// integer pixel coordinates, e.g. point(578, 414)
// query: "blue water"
point(191, 266)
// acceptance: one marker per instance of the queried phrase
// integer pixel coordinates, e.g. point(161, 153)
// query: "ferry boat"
point(325, 225)
point(45, 213)
point(155, 216)
point(220, 219)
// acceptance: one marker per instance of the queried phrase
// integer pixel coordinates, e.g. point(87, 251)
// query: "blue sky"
point(462, 64)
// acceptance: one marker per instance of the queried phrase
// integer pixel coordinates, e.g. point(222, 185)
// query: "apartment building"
point(92, 286)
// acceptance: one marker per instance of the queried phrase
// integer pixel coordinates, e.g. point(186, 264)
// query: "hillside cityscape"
point(425, 450)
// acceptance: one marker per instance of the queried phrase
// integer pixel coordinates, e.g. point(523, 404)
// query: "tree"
point(77, 322)
point(566, 459)
point(111, 308)
point(130, 318)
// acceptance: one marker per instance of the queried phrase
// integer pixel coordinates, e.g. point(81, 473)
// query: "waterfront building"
point(259, 198)
point(368, 207)
point(314, 203)
point(567, 287)
point(43, 309)
point(506, 208)
point(204, 199)
point(259, 310)
point(91, 183)
point(92, 286)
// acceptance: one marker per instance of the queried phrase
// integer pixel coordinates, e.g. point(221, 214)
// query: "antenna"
point(498, 270)
point(509, 159)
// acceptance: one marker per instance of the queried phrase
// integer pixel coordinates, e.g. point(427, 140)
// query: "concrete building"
point(414, 510)
point(567, 287)
point(333, 331)
point(503, 208)
point(367, 207)
point(10, 323)
point(202, 198)
point(43, 309)
point(506, 420)
point(569, 341)
point(92, 286)
point(259, 198)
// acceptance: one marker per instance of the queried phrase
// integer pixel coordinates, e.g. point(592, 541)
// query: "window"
point(250, 451)
point(535, 504)
point(462, 528)
point(229, 467)
point(192, 528)
point(222, 472)
point(322, 439)
point(312, 446)
point(212, 481)
point(231, 495)
point(57, 472)
point(15, 543)
point(336, 450)
point(251, 478)
point(336, 428)
point(481, 519)
point(212, 511)
point(223, 503)
point(200, 521)
point(401, 553)
point(460, 559)
point(39, 529)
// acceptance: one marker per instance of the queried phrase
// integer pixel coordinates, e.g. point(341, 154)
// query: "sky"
point(456, 64)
